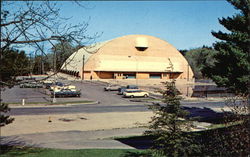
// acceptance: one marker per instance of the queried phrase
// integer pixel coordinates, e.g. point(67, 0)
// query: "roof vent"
point(141, 43)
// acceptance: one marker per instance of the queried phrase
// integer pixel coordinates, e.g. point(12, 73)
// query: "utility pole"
point(30, 66)
point(54, 94)
point(83, 60)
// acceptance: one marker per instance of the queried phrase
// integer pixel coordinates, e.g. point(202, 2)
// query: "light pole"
point(54, 94)
point(83, 60)
point(136, 72)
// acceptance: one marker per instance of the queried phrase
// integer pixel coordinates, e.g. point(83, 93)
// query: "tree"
point(231, 68)
point(199, 58)
point(168, 124)
point(12, 63)
point(183, 52)
point(39, 25)
point(36, 24)
point(62, 51)
point(39, 65)
point(4, 118)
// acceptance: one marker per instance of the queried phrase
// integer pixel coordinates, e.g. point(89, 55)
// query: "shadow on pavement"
point(139, 142)
point(206, 114)
point(199, 114)
point(15, 143)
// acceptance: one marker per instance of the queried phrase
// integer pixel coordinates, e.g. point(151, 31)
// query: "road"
point(99, 108)
point(77, 109)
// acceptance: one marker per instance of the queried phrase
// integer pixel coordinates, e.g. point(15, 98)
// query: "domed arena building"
point(129, 57)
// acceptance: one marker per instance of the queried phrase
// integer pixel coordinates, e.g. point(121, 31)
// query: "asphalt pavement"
point(91, 90)
point(75, 139)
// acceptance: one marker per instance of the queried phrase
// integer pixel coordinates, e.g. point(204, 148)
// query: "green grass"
point(217, 126)
point(43, 152)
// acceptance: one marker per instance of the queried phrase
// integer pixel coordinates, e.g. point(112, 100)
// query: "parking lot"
point(90, 90)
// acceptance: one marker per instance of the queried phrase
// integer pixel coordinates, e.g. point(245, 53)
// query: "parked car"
point(57, 85)
point(135, 93)
point(47, 83)
point(31, 85)
point(122, 89)
point(29, 78)
point(66, 93)
point(71, 87)
point(112, 88)
point(132, 87)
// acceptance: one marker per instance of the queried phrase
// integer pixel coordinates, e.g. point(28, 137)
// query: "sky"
point(184, 24)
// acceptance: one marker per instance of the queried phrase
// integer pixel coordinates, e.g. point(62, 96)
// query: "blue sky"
point(184, 24)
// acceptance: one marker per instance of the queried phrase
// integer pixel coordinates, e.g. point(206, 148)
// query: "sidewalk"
point(100, 139)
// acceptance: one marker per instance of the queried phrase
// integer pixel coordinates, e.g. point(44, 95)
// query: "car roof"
point(133, 90)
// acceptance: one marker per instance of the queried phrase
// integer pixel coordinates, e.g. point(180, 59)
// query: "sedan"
point(66, 93)
point(112, 88)
point(135, 93)
point(31, 85)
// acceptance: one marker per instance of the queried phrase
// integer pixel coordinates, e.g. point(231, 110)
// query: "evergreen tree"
point(232, 66)
point(168, 124)
point(198, 58)
point(4, 118)
point(12, 63)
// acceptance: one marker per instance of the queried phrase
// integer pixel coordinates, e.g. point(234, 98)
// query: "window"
point(155, 76)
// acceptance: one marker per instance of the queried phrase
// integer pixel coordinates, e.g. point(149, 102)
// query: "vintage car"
point(31, 85)
point(47, 83)
point(135, 93)
point(56, 86)
point(71, 87)
point(112, 88)
point(123, 88)
point(66, 93)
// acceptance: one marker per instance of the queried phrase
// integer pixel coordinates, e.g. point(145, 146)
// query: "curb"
point(51, 105)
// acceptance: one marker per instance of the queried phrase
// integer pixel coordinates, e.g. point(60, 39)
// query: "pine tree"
point(4, 118)
point(232, 66)
point(168, 123)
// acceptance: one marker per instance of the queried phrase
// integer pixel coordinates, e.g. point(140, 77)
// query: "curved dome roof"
point(142, 53)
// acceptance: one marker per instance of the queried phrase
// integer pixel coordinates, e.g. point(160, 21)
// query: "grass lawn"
point(43, 152)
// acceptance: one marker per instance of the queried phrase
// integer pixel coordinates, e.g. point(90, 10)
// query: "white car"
point(55, 88)
point(112, 88)
point(135, 93)
point(71, 87)
point(59, 88)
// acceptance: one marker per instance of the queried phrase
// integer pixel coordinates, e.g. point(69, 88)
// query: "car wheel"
point(145, 95)
point(132, 96)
